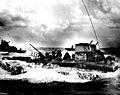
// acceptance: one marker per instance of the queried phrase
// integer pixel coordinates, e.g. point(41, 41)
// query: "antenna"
point(91, 23)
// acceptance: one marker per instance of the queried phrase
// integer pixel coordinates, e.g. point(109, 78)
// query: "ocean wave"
point(40, 74)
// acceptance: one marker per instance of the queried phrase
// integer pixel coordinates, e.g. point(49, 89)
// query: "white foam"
point(38, 74)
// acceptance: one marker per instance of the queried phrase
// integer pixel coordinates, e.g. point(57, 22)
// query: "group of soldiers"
point(54, 55)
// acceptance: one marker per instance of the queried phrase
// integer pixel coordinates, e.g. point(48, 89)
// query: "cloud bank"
point(59, 23)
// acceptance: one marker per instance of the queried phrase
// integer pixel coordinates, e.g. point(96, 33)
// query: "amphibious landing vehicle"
point(86, 56)
point(5, 47)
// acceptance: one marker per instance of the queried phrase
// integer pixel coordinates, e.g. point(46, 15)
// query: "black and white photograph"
point(59, 47)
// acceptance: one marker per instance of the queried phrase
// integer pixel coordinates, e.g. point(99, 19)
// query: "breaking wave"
point(40, 74)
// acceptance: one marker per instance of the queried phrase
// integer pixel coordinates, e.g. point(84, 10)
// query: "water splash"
point(39, 74)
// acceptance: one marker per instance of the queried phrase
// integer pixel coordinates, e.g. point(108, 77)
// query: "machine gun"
point(40, 54)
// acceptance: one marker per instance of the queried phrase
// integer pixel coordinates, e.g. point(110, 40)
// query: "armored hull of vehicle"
point(87, 65)
point(88, 57)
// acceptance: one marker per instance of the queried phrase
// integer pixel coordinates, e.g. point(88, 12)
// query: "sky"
point(53, 23)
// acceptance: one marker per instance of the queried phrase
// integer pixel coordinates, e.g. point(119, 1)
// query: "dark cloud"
point(9, 26)
point(8, 20)
point(20, 35)
point(2, 23)
point(107, 25)
point(116, 20)
point(104, 12)
point(106, 9)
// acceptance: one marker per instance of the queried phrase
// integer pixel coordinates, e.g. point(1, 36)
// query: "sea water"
point(43, 81)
